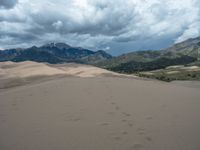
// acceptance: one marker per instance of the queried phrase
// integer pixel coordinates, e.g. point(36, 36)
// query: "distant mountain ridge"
point(182, 53)
point(54, 53)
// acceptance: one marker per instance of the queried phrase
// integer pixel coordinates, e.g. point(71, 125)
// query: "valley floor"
point(100, 113)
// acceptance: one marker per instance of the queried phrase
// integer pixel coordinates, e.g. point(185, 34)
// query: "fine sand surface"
point(100, 113)
point(32, 69)
point(14, 74)
point(192, 84)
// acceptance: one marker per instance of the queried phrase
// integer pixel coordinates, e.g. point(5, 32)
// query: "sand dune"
point(27, 69)
point(30, 69)
point(80, 70)
point(15, 74)
point(97, 113)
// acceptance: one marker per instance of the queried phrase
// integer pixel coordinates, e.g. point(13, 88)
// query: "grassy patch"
point(173, 73)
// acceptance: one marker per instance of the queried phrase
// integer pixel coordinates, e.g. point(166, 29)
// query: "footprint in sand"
point(130, 124)
point(3, 120)
point(126, 114)
point(111, 113)
point(141, 131)
point(113, 103)
point(124, 120)
point(149, 118)
point(117, 108)
point(117, 138)
point(14, 104)
point(105, 124)
point(45, 92)
point(137, 147)
point(124, 132)
point(149, 139)
point(30, 95)
point(76, 119)
point(72, 119)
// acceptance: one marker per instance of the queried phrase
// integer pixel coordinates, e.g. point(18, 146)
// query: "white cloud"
point(99, 23)
point(192, 31)
point(58, 24)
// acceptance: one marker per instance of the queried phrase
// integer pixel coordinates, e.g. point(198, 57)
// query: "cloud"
point(7, 4)
point(58, 25)
point(192, 31)
point(97, 24)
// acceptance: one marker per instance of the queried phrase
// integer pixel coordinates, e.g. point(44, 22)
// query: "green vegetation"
point(139, 56)
point(173, 73)
point(186, 53)
point(133, 66)
point(143, 63)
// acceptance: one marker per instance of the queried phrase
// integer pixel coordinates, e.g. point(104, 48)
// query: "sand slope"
point(30, 69)
point(15, 74)
point(100, 114)
point(99, 111)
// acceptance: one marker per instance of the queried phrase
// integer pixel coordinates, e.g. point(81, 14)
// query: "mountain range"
point(54, 53)
point(183, 53)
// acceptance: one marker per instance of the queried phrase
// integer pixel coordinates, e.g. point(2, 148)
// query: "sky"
point(116, 26)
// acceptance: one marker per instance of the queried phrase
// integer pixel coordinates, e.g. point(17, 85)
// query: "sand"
point(100, 113)
point(31, 69)
point(173, 72)
point(27, 69)
point(15, 74)
point(192, 84)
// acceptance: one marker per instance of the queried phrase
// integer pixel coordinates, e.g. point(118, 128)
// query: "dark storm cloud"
point(7, 4)
point(99, 24)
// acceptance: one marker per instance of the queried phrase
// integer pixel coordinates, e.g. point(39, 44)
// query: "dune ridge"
point(15, 74)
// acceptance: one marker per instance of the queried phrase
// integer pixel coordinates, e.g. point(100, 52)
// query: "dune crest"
point(28, 69)
point(17, 73)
